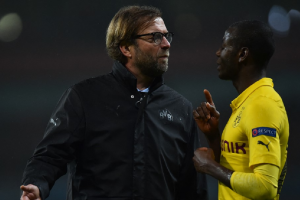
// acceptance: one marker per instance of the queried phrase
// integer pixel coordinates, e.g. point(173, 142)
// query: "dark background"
point(63, 42)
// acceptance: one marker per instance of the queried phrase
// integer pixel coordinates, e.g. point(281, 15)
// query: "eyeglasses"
point(158, 37)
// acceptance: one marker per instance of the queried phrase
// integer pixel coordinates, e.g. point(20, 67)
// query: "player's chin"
point(223, 76)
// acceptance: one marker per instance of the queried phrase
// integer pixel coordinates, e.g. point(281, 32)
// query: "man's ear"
point(243, 54)
point(125, 49)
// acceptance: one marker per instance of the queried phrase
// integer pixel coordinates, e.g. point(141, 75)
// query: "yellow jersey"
point(257, 132)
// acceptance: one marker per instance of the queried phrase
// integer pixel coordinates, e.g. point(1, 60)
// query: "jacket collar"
point(122, 74)
point(237, 102)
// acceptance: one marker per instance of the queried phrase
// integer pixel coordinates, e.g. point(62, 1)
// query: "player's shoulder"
point(265, 99)
point(269, 93)
point(264, 96)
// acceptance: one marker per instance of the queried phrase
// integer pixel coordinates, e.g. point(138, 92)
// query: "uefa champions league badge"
point(264, 131)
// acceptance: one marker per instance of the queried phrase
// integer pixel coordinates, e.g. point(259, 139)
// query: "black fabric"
point(115, 149)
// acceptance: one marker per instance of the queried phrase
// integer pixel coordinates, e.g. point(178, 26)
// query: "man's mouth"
point(164, 55)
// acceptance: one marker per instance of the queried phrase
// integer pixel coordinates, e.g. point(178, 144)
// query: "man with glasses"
point(124, 135)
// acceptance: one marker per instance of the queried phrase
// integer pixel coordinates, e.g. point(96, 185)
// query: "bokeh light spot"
point(279, 20)
point(294, 15)
point(10, 27)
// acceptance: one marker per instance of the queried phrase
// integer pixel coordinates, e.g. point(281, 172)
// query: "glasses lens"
point(169, 37)
point(157, 37)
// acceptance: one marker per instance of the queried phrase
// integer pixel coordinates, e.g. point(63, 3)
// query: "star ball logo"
point(254, 132)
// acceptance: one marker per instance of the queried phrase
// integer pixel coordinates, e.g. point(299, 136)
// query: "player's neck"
point(246, 79)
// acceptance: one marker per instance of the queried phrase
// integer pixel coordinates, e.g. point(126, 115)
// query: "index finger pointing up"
point(208, 97)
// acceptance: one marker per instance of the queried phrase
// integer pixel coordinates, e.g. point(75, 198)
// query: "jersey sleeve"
point(265, 118)
point(261, 184)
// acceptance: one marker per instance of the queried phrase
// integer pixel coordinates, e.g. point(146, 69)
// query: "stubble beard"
point(148, 65)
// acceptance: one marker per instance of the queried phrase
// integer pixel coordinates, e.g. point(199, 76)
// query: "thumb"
point(27, 188)
point(202, 149)
point(212, 109)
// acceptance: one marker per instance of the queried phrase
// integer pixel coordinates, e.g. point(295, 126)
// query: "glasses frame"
point(154, 33)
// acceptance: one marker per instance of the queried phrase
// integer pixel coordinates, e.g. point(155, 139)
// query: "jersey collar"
point(237, 102)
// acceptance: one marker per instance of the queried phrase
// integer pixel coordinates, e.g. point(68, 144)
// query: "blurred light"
point(294, 15)
point(279, 20)
point(10, 27)
point(188, 26)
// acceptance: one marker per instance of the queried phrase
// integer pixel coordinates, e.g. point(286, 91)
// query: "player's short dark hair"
point(125, 25)
point(257, 37)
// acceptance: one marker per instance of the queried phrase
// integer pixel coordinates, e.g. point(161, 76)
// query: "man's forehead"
point(158, 20)
point(227, 33)
point(156, 23)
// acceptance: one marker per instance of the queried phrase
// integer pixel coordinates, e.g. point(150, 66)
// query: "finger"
point(202, 149)
point(198, 114)
point(28, 188)
point(24, 188)
point(205, 111)
point(24, 198)
point(201, 112)
point(212, 110)
point(195, 114)
point(208, 97)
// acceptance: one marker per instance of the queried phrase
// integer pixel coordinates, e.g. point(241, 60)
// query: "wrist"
point(213, 136)
point(221, 173)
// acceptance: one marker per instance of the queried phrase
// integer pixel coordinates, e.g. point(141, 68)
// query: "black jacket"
point(119, 144)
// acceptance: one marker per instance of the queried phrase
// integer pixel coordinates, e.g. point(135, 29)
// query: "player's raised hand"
point(30, 192)
point(207, 117)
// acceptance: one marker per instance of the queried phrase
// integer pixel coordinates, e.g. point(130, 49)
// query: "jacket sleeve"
point(63, 135)
point(193, 185)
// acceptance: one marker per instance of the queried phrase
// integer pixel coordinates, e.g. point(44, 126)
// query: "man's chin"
point(158, 72)
point(163, 67)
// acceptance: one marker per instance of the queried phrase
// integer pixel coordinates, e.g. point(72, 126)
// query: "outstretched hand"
point(30, 192)
point(207, 117)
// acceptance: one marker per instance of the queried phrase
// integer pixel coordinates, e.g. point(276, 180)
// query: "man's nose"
point(165, 44)
point(218, 53)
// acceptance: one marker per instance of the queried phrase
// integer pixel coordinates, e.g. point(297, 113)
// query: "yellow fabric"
point(261, 184)
point(258, 106)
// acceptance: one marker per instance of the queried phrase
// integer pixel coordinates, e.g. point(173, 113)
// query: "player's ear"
point(125, 49)
point(243, 54)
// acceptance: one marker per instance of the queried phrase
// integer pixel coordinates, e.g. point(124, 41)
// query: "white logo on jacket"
point(52, 121)
point(165, 114)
